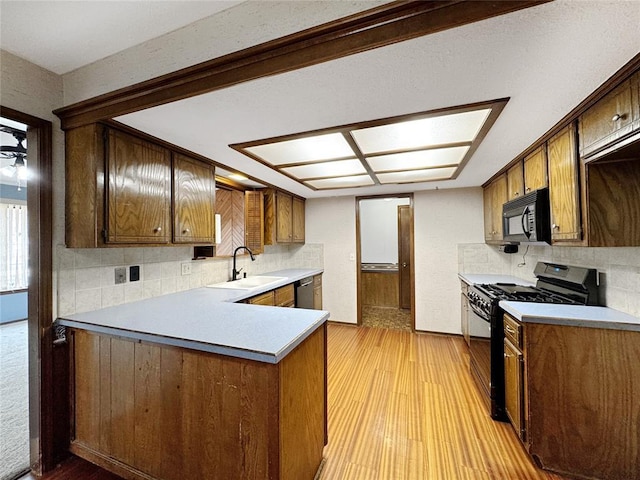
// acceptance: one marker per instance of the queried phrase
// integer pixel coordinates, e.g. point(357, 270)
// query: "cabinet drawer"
point(285, 296)
point(263, 299)
point(513, 330)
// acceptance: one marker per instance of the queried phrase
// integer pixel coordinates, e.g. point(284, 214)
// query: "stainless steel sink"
point(249, 283)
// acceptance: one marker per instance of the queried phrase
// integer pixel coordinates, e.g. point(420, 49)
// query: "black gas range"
point(559, 284)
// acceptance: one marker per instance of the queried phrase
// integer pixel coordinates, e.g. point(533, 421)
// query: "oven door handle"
point(480, 313)
point(525, 228)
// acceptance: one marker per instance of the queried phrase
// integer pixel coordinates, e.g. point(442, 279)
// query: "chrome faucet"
point(235, 273)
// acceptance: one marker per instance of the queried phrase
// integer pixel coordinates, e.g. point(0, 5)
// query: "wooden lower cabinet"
point(267, 298)
point(156, 412)
point(317, 292)
point(285, 296)
point(580, 399)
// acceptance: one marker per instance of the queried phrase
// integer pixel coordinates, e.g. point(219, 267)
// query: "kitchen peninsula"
point(190, 385)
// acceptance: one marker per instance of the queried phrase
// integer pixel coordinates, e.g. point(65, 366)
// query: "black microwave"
point(527, 218)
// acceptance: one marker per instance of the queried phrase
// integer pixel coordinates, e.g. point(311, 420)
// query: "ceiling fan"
point(18, 170)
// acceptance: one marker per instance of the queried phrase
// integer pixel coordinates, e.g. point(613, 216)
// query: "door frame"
point(359, 260)
point(45, 426)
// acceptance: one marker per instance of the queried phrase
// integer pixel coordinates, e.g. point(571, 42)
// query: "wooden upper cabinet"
point(194, 190)
point(495, 195)
point(254, 220)
point(123, 189)
point(535, 170)
point(515, 181)
point(283, 218)
point(564, 187)
point(613, 117)
point(138, 196)
point(298, 220)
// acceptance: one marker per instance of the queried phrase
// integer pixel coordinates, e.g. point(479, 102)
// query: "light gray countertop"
point(206, 319)
point(480, 278)
point(571, 315)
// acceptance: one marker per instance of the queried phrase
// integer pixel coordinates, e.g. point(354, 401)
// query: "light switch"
point(121, 275)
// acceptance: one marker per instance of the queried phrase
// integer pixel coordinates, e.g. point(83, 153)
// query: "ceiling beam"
point(384, 25)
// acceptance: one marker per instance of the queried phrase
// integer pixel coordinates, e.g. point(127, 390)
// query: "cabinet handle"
point(186, 230)
point(528, 189)
point(555, 227)
point(509, 329)
point(516, 194)
point(157, 229)
point(617, 117)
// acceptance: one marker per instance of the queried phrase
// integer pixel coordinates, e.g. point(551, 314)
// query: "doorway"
point(385, 293)
point(14, 250)
point(48, 424)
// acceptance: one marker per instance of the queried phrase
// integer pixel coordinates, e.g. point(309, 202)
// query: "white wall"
point(332, 222)
point(442, 219)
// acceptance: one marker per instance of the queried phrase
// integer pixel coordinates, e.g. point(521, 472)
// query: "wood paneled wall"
point(380, 289)
point(230, 206)
point(148, 411)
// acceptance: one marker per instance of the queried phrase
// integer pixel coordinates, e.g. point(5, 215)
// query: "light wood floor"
point(404, 406)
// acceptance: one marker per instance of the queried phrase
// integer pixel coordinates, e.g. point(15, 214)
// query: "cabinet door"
point(464, 317)
point(535, 170)
point(139, 191)
point(611, 118)
point(284, 211)
point(317, 292)
point(298, 220)
point(514, 387)
point(487, 195)
point(285, 296)
point(194, 201)
point(515, 181)
point(499, 198)
point(564, 189)
point(254, 221)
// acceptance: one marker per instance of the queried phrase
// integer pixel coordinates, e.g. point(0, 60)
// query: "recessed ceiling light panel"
point(418, 147)
point(341, 182)
point(413, 134)
point(338, 168)
point(420, 159)
point(413, 176)
point(303, 150)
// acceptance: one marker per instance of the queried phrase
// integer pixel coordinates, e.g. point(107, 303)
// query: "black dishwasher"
point(304, 293)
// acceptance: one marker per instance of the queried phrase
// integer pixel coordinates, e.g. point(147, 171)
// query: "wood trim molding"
point(48, 420)
point(384, 25)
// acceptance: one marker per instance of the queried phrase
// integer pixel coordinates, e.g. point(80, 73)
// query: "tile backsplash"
point(86, 277)
point(619, 268)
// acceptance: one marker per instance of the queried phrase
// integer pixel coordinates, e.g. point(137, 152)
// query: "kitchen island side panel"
point(584, 413)
point(153, 411)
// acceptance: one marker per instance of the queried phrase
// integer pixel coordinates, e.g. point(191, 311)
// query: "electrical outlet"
point(121, 275)
point(186, 268)
point(134, 273)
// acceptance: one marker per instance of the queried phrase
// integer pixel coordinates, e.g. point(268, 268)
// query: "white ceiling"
point(547, 59)
point(64, 35)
